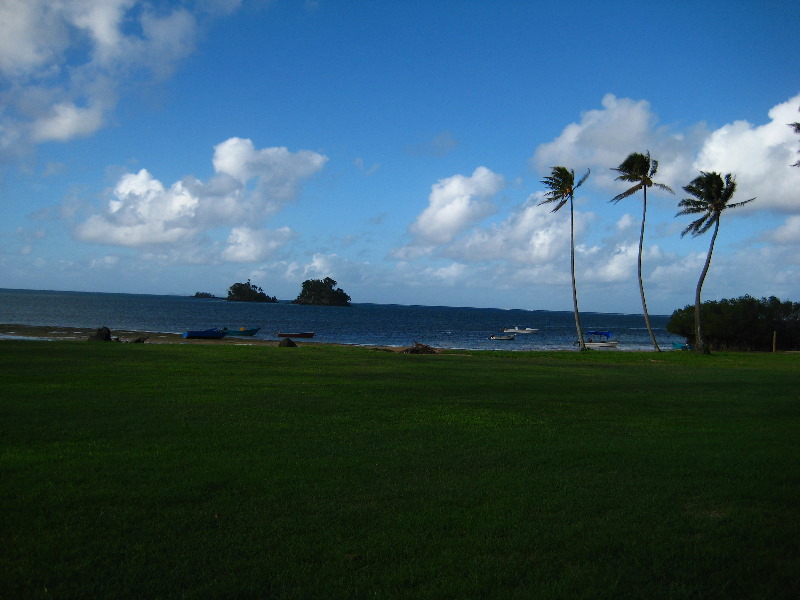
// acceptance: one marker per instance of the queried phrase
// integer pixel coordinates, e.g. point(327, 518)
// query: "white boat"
point(519, 329)
point(497, 336)
point(600, 343)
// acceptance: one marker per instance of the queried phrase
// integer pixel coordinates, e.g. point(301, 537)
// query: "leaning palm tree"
point(639, 170)
point(561, 182)
point(711, 197)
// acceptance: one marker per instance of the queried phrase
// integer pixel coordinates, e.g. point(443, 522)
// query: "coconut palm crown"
point(639, 169)
point(561, 183)
point(711, 196)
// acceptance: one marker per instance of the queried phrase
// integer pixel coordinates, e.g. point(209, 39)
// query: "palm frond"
point(743, 202)
point(694, 227)
point(626, 193)
point(664, 187)
point(584, 178)
point(653, 166)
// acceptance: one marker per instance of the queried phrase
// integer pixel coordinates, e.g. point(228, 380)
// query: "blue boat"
point(207, 334)
point(681, 346)
point(243, 331)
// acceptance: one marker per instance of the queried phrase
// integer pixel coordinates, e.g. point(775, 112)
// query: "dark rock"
point(140, 340)
point(103, 334)
point(418, 348)
point(287, 343)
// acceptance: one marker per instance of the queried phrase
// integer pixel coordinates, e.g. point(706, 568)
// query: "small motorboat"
point(681, 346)
point(519, 329)
point(497, 336)
point(207, 334)
point(243, 331)
point(300, 334)
point(602, 343)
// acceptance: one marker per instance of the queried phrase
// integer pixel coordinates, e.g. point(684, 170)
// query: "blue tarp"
point(605, 333)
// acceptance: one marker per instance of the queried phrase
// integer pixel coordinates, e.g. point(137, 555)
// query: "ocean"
point(359, 324)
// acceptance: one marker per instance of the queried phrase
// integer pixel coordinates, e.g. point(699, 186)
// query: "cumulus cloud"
point(454, 204)
point(759, 156)
point(603, 138)
point(65, 62)
point(253, 245)
point(249, 185)
point(530, 235)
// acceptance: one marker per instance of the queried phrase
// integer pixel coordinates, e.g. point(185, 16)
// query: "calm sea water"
point(363, 324)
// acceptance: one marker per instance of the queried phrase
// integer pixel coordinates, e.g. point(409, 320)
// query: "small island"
point(321, 292)
point(203, 295)
point(248, 292)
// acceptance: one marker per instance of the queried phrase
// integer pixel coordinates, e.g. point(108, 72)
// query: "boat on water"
point(519, 329)
point(296, 334)
point(243, 331)
point(596, 344)
point(497, 336)
point(207, 334)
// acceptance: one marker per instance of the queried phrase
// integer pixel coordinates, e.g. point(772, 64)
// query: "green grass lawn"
point(177, 471)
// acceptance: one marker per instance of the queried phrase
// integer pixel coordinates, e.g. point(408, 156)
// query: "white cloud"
point(277, 171)
point(454, 204)
point(249, 186)
point(66, 61)
point(253, 245)
point(788, 233)
point(67, 121)
point(759, 156)
point(626, 221)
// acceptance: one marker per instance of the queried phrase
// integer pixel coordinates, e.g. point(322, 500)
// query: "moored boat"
point(601, 343)
point(496, 336)
point(519, 329)
point(300, 334)
point(208, 334)
point(243, 331)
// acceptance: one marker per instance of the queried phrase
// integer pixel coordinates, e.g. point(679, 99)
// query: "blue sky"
point(397, 147)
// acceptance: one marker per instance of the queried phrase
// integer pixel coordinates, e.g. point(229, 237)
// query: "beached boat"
point(300, 334)
point(243, 331)
point(600, 343)
point(497, 336)
point(681, 346)
point(208, 334)
point(519, 329)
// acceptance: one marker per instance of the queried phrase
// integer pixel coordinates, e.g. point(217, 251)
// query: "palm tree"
point(639, 170)
point(711, 197)
point(561, 182)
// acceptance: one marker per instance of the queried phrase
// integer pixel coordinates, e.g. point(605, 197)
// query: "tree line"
point(744, 323)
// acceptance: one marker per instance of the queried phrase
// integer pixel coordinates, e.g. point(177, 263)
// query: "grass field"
point(170, 471)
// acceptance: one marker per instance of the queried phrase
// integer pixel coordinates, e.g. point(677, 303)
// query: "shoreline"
point(14, 331)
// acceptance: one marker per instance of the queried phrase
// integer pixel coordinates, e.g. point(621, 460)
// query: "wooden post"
point(774, 340)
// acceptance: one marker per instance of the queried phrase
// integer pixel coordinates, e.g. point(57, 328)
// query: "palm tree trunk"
point(581, 343)
point(698, 332)
point(641, 285)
